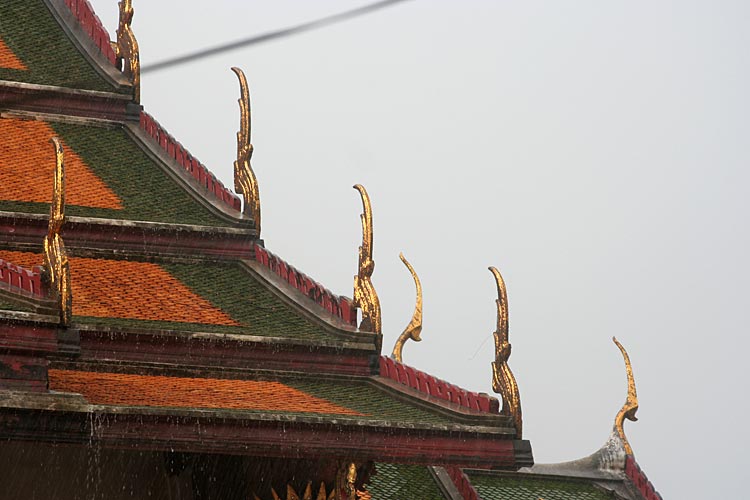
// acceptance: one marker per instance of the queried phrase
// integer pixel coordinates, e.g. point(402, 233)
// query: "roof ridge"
point(337, 305)
point(436, 387)
point(93, 26)
point(182, 156)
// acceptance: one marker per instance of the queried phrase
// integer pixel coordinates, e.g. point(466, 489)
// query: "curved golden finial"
point(503, 381)
point(55, 256)
point(126, 48)
point(630, 407)
point(351, 479)
point(365, 296)
point(245, 181)
point(414, 328)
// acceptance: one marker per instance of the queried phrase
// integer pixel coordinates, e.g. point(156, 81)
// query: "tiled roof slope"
point(498, 486)
point(355, 399)
point(397, 481)
point(204, 296)
point(34, 37)
point(108, 175)
point(126, 389)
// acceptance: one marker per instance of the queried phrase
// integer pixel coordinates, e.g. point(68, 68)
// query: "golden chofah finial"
point(365, 296)
point(245, 181)
point(503, 381)
point(630, 407)
point(414, 328)
point(126, 48)
point(55, 256)
point(351, 479)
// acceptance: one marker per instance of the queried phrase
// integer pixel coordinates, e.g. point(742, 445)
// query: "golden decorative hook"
point(630, 407)
point(126, 48)
point(245, 181)
point(414, 328)
point(365, 296)
point(55, 255)
point(503, 381)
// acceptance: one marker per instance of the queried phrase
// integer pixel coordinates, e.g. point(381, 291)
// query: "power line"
point(271, 35)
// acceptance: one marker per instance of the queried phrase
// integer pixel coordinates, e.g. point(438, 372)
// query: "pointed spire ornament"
point(308, 495)
point(414, 328)
point(57, 268)
point(503, 381)
point(245, 181)
point(365, 296)
point(630, 407)
point(126, 48)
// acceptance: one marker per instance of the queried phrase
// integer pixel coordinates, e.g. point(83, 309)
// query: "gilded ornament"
point(343, 490)
point(503, 381)
point(55, 257)
point(630, 407)
point(414, 328)
point(365, 297)
point(351, 479)
point(245, 181)
point(126, 48)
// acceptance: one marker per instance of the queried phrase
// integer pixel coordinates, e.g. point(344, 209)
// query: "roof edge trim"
point(21, 280)
point(639, 479)
point(204, 185)
point(435, 387)
point(84, 28)
point(336, 305)
point(442, 407)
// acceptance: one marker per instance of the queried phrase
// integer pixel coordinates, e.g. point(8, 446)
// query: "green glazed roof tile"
point(516, 487)
point(403, 482)
point(31, 32)
point(146, 191)
point(363, 398)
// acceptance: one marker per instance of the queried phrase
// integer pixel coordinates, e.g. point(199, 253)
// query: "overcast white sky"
point(595, 152)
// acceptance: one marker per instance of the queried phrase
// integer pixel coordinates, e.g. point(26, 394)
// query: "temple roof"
point(184, 332)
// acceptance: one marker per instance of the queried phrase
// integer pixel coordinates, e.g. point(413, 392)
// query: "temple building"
point(152, 346)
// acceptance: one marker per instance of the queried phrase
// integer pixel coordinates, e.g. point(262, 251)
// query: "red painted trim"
point(462, 483)
point(27, 373)
point(29, 338)
point(18, 277)
point(639, 479)
point(221, 352)
point(155, 239)
point(108, 107)
point(338, 306)
point(180, 154)
point(428, 384)
point(93, 27)
point(236, 433)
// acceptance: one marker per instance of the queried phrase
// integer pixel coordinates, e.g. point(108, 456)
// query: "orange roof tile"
point(181, 392)
point(27, 163)
point(105, 288)
point(8, 59)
